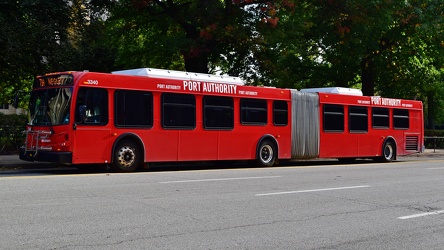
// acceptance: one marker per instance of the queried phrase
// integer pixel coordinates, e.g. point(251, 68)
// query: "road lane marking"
point(420, 215)
point(221, 179)
point(435, 168)
point(313, 190)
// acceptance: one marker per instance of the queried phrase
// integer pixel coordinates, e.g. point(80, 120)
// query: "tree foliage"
point(202, 35)
point(46, 36)
point(30, 32)
point(386, 47)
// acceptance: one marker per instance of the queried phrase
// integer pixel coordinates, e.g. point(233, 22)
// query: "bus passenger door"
point(91, 129)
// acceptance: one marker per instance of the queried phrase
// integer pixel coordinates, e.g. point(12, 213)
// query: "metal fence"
point(11, 138)
point(434, 142)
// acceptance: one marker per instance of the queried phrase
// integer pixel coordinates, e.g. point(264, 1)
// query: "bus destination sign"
point(53, 80)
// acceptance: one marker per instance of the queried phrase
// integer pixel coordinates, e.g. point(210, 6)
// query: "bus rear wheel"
point(267, 153)
point(388, 152)
point(127, 157)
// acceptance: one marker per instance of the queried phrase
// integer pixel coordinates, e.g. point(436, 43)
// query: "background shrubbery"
point(434, 142)
point(11, 136)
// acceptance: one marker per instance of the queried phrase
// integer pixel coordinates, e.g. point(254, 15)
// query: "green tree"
point(40, 37)
point(198, 36)
point(31, 31)
point(88, 37)
point(353, 42)
point(390, 48)
point(386, 47)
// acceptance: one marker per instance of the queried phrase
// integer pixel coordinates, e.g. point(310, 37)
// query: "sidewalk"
point(13, 161)
point(430, 152)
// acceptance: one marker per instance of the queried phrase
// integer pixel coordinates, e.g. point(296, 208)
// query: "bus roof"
point(335, 90)
point(180, 75)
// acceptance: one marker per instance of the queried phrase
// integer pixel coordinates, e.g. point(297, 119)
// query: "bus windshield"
point(50, 107)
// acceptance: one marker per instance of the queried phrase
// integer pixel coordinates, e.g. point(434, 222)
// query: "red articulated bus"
point(132, 117)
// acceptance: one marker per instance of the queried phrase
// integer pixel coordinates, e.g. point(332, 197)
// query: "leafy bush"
point(434, 138)
point(11, 132)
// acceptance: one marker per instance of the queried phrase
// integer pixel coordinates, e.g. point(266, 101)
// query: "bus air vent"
point(411, 143)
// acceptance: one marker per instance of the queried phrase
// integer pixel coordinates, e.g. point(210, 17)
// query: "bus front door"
point(92, 131)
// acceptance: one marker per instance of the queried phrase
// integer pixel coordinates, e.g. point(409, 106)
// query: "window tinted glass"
point(133, 108)
point(280, 113)
point(401, 119)
point(92, 106)
point(380, 118)
point(178, 111)
point(218, 112)
point(333, 118)
point(253, 111)
point(358, 119)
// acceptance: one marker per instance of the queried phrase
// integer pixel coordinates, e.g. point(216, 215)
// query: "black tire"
point(127, 157)
point(388, 152)
point(266, 154)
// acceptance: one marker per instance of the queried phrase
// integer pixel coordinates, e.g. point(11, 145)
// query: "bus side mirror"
point(82, 111)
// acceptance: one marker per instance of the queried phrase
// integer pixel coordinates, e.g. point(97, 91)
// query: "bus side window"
point(358, 119)
point(218, 112)
point(401, 119)
point(333, 118)
point(380, 118)
point(92, 106)
point(133, 109)
point(178, 111)
point(280, 113)
point(253, 111)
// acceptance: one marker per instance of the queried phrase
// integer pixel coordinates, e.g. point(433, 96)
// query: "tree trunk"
point(196, 55)
point(430, 123)
point(368, 76)
point(197, 64)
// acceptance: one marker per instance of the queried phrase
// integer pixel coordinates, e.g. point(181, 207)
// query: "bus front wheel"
point(388, 152)
point(127, 157)
point(267, 153)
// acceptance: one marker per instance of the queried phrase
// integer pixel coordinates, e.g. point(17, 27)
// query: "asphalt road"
point(316, 205)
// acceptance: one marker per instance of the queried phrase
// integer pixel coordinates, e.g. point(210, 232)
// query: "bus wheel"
point(127, 157)
point(266, 154)
point(388, 152)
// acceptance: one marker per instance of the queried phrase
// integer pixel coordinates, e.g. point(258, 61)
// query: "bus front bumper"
point(46, 156)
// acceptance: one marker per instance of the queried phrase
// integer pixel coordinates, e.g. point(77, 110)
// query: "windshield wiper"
point(42, 110)
point(39, 109)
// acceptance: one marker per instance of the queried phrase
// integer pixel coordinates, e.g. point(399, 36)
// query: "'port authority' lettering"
point(210, 87)
point(376, 100)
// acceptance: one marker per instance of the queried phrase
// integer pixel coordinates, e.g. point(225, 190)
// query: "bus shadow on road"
point(57, 169)
point(245, 164)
